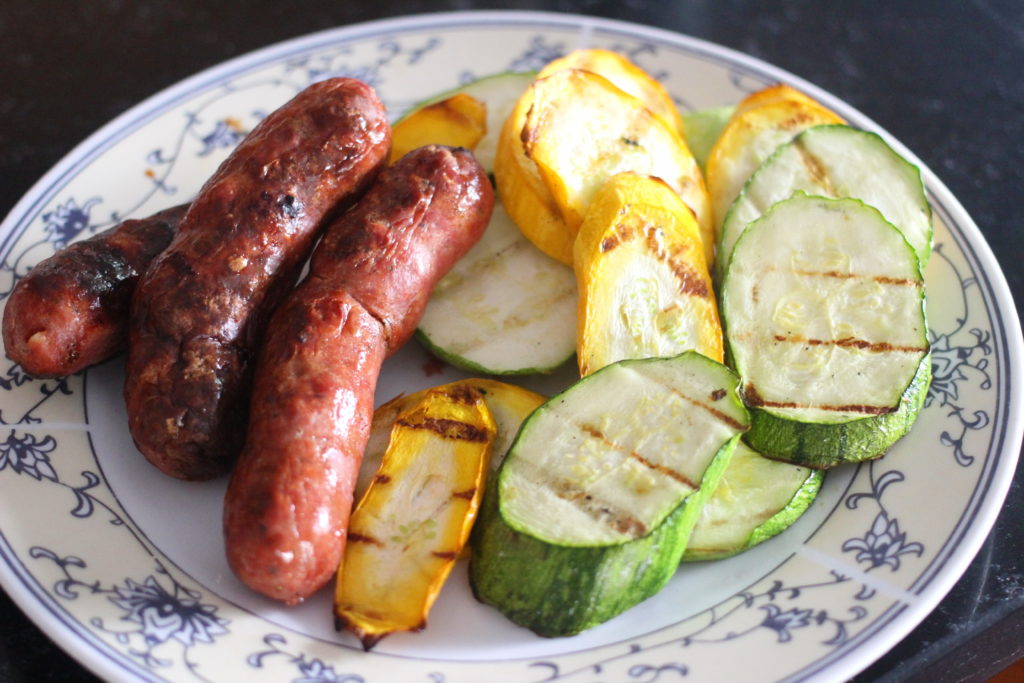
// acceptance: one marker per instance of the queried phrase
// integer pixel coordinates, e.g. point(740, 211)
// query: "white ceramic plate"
point(124, 567)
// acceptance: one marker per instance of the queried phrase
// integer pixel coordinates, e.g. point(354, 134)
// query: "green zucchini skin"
point(559, 591)
point(801, 499)
point(821, 446)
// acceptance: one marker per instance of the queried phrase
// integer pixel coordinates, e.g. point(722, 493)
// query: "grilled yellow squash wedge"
point(645, 290)
point(413, 521)
point(626, 76)
point(509, 404)
point(761, 122)
point(459, 121)
point(581, 130)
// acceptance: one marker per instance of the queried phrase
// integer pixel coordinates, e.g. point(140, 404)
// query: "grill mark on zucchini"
point(623, 233)
point(467, 494)
point(449, 429)
point(478, 267)
point(754, 400)
point(880, 279)
point(723, 417)
point(851, 342)
point(538, 307)
point(667, 471)
point(598, 510)
point(814, 167)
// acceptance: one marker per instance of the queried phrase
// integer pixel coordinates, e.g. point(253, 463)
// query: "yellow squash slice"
point(644, 286)
point(761, 122)
point(523, 193)
point(509, 404)
point(459, 121)
point(416, 515)
point(626, 76)
point(581, 130)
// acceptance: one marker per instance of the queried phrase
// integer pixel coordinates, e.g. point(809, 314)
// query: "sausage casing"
point(288, 502)
point(199, 312)
point(71, 310)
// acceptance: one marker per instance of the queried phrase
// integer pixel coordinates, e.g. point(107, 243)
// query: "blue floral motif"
point(310, 670)
point(29, 455)
point(782, 622)
point(537, 55)
point(882, 544)
point(163, 615)
point(954, 363)
point(159, 615)
point(226, 133)
point(66, 221)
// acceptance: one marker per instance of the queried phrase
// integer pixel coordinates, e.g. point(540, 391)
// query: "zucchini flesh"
point(756, 499)
point(823, 305)
point(504, 308)
point(836, 161)
point(702, 127)
point(594, 503)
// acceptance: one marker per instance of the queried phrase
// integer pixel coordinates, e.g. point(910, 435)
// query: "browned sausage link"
point(200, 310)
point(71, 310)
point(287, 505)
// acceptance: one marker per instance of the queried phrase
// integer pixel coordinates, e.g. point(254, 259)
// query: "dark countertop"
point(946, 78)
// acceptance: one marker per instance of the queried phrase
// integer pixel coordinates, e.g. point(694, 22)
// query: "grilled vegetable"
point(581, 130)
point(644, 286)
point(411, 524)
point(701, 130)
point(624, 75)
point(823, 306)
point(459, 121)
point(761, 123)
point(591, 510)
point(505, 308)
point(836, 161)
point(756, 499)
point(509, 405)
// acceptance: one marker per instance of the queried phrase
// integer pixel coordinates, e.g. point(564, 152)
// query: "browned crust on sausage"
point(71, 310)
point(200, 311)
point(287, 506)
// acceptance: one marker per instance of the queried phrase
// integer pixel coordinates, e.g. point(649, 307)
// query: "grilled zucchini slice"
point(593, 505)
point(756, 499)
point(836, 161)
point(505, 308)
point(823, 308)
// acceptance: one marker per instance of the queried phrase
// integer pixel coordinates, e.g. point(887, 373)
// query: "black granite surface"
point(946, 78)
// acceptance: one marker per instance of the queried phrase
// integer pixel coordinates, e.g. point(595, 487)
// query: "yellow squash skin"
point(761, 122)
point(413, 521)
point(523, 192)
point(459, 121)
point(581, 130)
point(645, 290)
point(509, 404)
point(626, 76)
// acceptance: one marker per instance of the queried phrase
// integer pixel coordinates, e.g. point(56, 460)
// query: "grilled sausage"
point(199, 312)
point(71, 310)
point(288, 501)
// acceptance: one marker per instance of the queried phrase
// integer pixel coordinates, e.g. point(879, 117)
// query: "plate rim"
point(1001, 308)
